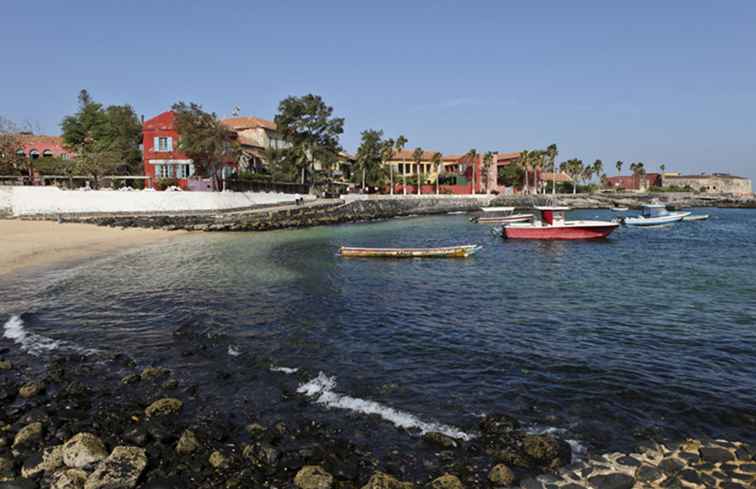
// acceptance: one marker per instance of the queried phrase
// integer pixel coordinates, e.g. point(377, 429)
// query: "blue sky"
point(669, 82)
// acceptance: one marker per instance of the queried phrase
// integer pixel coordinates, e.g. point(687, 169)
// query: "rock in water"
point(18, 484)
point(547, 451)
point(498, 424)
point(28, 435)
point(69, 479)
point(501, 475)
point(163, 407)
point(381, 480)
point(31, 389)
point(151, 373)
point(5, 365)
point(50, 461)
point(440, 440)
point(612, 481)
point(120, 470)
point(83, 449)
point(447, 481)
point(187, 443)
point(313, 477)
point(6, 469)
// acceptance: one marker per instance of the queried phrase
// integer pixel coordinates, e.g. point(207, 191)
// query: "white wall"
point(26, 201)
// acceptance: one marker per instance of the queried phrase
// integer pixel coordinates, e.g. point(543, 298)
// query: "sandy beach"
point(27, 244)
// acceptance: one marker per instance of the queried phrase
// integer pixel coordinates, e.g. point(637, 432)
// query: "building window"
point(47, 153)
point(163, 144)
point(20, 153)
point(34, 154)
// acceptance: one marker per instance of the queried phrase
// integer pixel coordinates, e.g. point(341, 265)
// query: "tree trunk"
point(526, 186)
point(473, 178)
point(438, 174)
point(391, 178)
point(574, 187)
point(418, 179)
point(404, 178)
point(363, 179)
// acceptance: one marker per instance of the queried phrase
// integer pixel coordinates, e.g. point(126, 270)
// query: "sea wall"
point(6, 202)
point(31, 201)
point(631, 199)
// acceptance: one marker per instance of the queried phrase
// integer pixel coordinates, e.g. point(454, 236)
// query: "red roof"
point(40, 143)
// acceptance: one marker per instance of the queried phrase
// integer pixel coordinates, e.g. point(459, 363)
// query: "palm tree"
point(487, 163)
point(472, 157)
point(574, 168)
point(437, 163)
point(662, 167)
point(551, 153)
point(598, 168)
point(523, 162)
point(417, 155)
point(537, 163)
point(399, 144)
point(618, 165)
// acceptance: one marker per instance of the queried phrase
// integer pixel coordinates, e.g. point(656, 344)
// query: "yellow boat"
point(444, 252)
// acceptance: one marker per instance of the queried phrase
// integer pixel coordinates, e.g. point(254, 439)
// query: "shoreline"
point(143, 427)
point(28, 245)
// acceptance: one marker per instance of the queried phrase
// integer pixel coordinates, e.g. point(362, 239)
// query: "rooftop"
point(248, 122)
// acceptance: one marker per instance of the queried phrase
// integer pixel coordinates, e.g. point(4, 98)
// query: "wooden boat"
point(550, 224)
point(462, 251)
point(500, 215)
point(654, 215)
point(696, 217)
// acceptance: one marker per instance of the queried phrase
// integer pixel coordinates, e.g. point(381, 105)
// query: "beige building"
point(714, 183)
point(255, 136)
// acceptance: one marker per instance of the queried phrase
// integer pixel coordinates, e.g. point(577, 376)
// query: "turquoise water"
point(649, 334)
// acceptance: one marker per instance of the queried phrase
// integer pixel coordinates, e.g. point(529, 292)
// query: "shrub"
point(164, 183)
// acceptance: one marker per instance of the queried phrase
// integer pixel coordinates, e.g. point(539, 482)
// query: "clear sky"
point(669, 82)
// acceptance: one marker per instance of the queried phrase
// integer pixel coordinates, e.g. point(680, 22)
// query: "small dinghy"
point(444, 252)
point(696, 217)
point(500, 215)
point(620, 209)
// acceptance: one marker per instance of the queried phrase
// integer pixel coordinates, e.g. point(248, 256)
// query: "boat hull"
point(656, 221)
point(559, 232)
point(445, 252)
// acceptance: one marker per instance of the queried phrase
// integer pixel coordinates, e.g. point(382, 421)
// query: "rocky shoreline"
point(102, 422)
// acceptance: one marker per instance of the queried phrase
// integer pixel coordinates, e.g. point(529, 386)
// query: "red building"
point(635, 182)
point(38, 146)
point(162, 159)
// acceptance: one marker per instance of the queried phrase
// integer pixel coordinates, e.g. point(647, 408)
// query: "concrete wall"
point(711, 183)
point(6, 201)
point(27, 201)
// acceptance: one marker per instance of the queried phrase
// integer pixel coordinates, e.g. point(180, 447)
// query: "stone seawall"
point(322, 212)
point(631, 200)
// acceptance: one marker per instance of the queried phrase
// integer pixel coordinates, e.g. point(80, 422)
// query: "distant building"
point(162, 159)
point(714, 183)
point(635, 182)
point(35, 146)
point(256, 137)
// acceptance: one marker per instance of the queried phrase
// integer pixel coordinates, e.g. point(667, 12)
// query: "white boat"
point(655, 215)
point(620, 209)
point(500, 215)
point(696, 217)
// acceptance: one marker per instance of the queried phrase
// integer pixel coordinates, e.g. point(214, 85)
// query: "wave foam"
point(285, 370)
point(35, 344)
point(322, 389)
point(233, 351)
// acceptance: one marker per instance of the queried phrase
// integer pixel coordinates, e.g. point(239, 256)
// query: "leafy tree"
point(10, 162)
point(437, 161)
point(472, 157)
point(618, 165)
point(487, 163)
point(387, 152)
point(370, 156)
point(399, 145)
point(417, 156)
point(312, 132)
point(106, 140)
point(575, 169)
point(511, 175)
point(206, 140)
point(597, 168)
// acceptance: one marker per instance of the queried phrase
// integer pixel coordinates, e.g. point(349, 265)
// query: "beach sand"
point(30, 244)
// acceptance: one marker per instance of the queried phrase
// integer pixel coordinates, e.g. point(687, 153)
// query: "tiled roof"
point(239, 123)
point(408, 155)
point(30, 139)
point(560, 177)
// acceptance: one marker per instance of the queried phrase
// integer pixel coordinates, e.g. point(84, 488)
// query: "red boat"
point(549, 223)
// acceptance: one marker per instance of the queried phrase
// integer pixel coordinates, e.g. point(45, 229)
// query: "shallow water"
point(651, 333)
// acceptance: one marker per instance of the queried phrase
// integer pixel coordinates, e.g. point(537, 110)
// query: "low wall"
point(6, 201)
point(30, 201)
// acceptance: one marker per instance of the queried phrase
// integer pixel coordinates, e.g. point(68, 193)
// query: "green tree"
point(10, 162)
point(308, 125)
point(524, 162)
point(618, 165)
point(417, 156)
point(511, 175)
point(105, 140)
point(551, 155)
point(437, 160)
point(575, 169)
point(369, 159)
point(206, 140)
point(487, 164)
point(472, 159)
point(399, 145)
point(597, 168)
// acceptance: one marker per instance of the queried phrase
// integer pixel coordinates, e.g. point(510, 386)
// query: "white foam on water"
point(233, 351)
point(577, 448)
point(321, 388)
point(284, 370)
point(35, 344)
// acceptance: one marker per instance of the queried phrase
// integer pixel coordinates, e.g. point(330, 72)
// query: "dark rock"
point(672, 483)
point(262, 454)
point(749, 468)
point(531, 484)
point(547, 451)
point(629, 461)
point(165, 483)
point(586, 471)
point(121, 469)
point(612, 481)
point(497, 424)
point(131, 379)
point(690, 475)
point(18, 484)
point(731, 485)
point(440, 440)
point(716, 454)
point(137, 436)
point(689, 457)
point(671, 465)
point(648, 473)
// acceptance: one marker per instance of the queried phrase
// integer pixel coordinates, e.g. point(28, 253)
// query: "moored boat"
point(620, 209)
point(549, 223)
point(462, 251)
point(500, 215)
point(696, 217)
point(655, 215)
